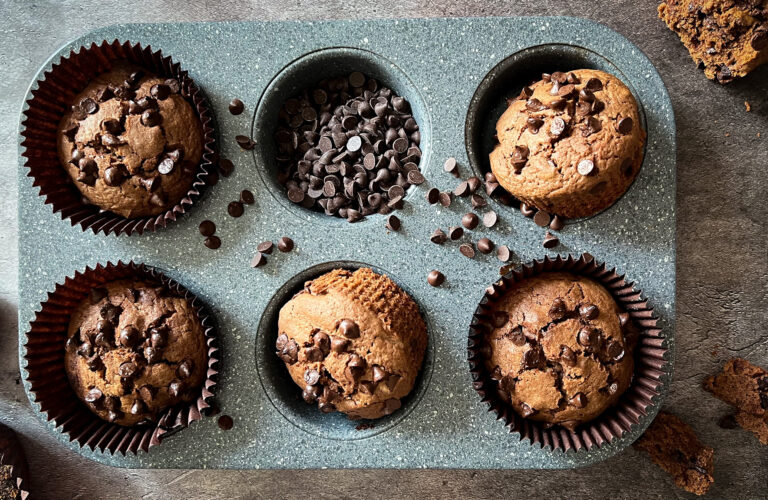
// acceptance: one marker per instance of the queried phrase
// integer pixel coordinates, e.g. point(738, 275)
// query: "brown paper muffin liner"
point(49, 386)
point(650, 354)
point(50, 101)
point(12, 454)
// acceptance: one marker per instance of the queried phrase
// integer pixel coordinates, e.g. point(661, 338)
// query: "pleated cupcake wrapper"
point(49, 385)
point(51, 100)
point(12, 454)
point(640, 398)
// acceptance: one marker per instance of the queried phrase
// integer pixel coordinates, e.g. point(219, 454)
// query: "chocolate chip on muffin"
point(570, 144)
point(131, 142)
point(133, 350)
point(558, 349)
point(353, 342)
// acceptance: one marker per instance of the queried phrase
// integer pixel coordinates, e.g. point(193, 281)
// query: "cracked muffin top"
point(560, 349)
point(134, 349)
point(131, 142)
point(353, 341)
point(569, 144)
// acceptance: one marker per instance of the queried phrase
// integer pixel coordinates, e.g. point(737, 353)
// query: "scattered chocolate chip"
point(445, 199)
point(451, 166)
point(265, 247)
point(393, 223)
point(433, 196)
point(467, 250)
point(236, 106)
point(207, 228)
point(557, 223)
point(246, 197)
point(213, 242)
point(550, 240)
point(503, 253)
point(478, 201)
point(542, 218)
point(245, 142)
point(235, 209)
point(435, 278)
point(470, 220)
point(490, 218)
point(225, 422)
point(226, 167)
point(258, 260)
point(485, 246)
point(438, 237)
point(349, 329)
point(462, 189)
point(285, 244)
point(526, 210)
point(455, 232)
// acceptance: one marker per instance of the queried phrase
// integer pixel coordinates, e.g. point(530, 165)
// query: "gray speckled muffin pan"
point(438, 65)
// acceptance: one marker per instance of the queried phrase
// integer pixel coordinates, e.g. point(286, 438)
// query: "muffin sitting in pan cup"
point(134, 138)
point(554, 350)
point(569, 144)
point(138, 353)
point(353, 342)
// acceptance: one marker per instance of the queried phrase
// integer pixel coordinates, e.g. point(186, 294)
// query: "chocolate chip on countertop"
point(207, 228)
point(258, 260)
point(490, 218)
point(225, 422)
point(503, 253)
point(467, 250)
point(265, 247)
point(213, 242)
point(526, 210)
point(557, 223)
point(470, 220)
point(235, 209)
point(445, 199)
point(462, 189)
point(226, 167)
point(285, 244)
point(550, 240)
point(236, 106)
point(246, 197)
point(433, 196)
point(435, 278)
point(542, 218)
point(451, 167)
point(438, 237)
point(455, 232)
point(245, 142)
point(478, 201)
point(485, 245)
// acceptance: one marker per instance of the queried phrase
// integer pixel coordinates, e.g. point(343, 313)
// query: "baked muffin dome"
point(353, 342)
point(570, 144)
point(134, 349)
point(131, 142)
point(560, 349)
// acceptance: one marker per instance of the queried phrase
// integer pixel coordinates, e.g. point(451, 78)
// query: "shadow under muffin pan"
point(437, 64)
point(286, 396)
point(507, 79)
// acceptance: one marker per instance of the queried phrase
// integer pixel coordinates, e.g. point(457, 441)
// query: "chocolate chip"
point(245, 142)
point(542, 218)
point(594, 85)
point(259, 260)
point(114, 175)
point(246, 197)
point(127, 369)
point(89, 106)
point(213, 242)
point(265, 247)
point(533, 358)
point(588, 311)
point(285, 244)
point(623, 319)
point(207, 228)
point(166, 166)
point(558, 310)
point(490, 218)
point(111, 313)
point(615, 351)
point(151, 184)
point(138, 407)
point(174, 388)
point(470, 220)
point(467, 250)
point(503, 253)
point(451, 167)
point(415, 177)
point(455, 232)
point(478, 201)
point(517, 336)
point(339, 345)
point(185, 368)
point(567, 356)
point(147, 392)
point(445, 199)
point(485, 246)
point(613, 388)
point(129, 336)
point(557, 127)
point(588, 336)
point(557, 223)
point(356, 361)
point(151, 118)
point(625, 125)
point(93, 395)
point(526, 410)
point(462, 189)
point(236, 106)
point(433, 196)
point(435, 278)
point(393, 223)
point(349, 329)
point(438, 237)
point(311, 376)
point(550, 240)
point(526, 210)
point(579, 400)
point(235, 209)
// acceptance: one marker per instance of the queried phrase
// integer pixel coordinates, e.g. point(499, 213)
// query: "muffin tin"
point(456, 74)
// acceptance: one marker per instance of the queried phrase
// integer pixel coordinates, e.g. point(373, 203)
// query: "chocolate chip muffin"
point(726, 38)
point(131, 142)
point(134, 349)
point(353, 341)
point(569, 144)
point(559, 348)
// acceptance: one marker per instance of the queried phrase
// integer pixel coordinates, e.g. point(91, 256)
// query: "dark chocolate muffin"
point(131, 142)
point(353, 341)
point(560, 349)
point(570, 144)
point(133, 350)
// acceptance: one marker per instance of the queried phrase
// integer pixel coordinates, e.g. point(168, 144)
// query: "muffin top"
point(560, 348)
point(131, 142)
point(353, 341)
point(134, 349)
point(570, 144)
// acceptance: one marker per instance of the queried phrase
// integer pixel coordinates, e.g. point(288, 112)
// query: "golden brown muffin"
point(728, 38)
point(673, 446)
point(133, 350)
point(560, 349)
point(353, 341)
point(570, 144)
point(131, 142)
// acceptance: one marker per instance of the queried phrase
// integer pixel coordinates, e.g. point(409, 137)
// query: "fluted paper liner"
point(45, 370)
point(51, 99)
point(651, 364)
point(12, 454)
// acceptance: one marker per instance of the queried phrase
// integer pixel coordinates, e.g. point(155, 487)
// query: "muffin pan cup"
point(12, 454)
point(48, 103)
point(650, 355)
point(438, 65)
point(48, 383)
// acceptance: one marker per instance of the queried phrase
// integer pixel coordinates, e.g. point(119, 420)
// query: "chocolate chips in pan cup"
point(107, 141)
point(585, 365)
point(131, 326)
point(14, 473)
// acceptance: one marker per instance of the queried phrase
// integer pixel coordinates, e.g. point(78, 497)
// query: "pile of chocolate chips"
point(149, 343)
point(348, 147)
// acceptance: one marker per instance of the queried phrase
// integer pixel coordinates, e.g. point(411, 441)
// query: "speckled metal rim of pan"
point(515, 64)
point(445, 59)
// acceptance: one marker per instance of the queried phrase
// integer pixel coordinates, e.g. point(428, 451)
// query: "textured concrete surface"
point(722, 265)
